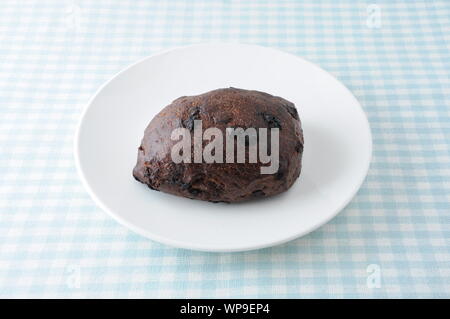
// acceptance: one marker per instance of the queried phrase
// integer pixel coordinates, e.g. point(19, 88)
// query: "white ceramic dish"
point(337, 151)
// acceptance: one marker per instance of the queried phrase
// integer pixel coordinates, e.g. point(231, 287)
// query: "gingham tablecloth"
point(393, 240)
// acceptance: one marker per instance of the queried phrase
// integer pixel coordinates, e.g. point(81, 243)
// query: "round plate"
point(338, 147)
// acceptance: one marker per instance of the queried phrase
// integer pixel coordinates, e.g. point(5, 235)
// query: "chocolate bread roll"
point(226, 179)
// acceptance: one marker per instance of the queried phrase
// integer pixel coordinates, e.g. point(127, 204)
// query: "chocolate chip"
point(194, 191)
point(147, 172)
point(299, 147)
point(258, 193)
point(184, 185)
point(271, 120)
point(215, 188)
point(194, 114)
point(291, 110)
point(279, 175)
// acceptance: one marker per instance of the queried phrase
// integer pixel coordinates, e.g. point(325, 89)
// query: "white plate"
point(337, 151)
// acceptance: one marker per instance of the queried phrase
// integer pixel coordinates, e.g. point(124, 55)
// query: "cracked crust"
point(217, 182)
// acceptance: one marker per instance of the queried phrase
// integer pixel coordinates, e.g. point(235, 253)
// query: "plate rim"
point(205, 247)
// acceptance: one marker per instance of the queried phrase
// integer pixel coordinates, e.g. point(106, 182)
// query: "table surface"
point(393, 239)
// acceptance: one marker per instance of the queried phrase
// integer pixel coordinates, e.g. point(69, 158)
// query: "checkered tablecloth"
point(393, 240)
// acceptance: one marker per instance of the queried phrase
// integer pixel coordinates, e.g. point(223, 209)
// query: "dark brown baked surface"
point(221, 182)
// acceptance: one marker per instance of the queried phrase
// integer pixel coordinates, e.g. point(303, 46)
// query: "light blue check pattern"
point(394, 56)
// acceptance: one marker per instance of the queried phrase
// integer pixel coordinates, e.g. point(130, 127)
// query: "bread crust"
point(221, 182)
